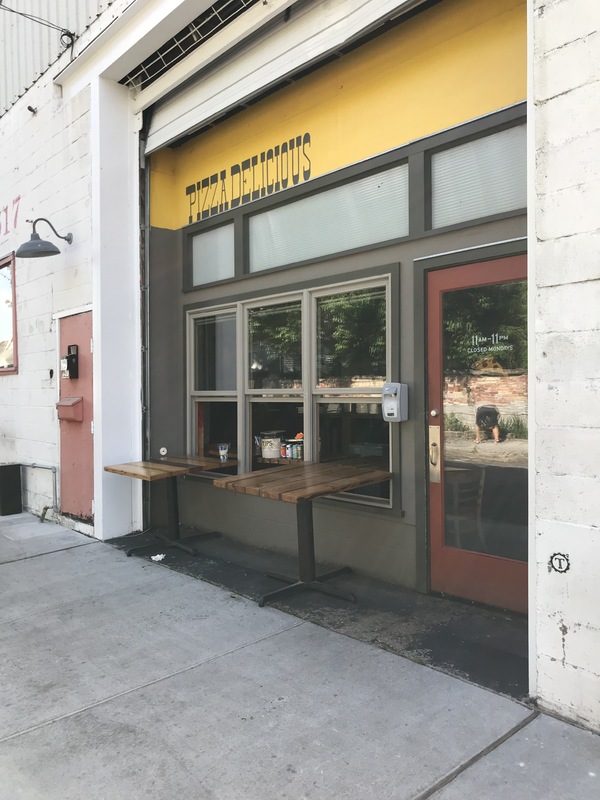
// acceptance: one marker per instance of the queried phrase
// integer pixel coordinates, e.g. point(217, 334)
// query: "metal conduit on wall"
point(54, 470)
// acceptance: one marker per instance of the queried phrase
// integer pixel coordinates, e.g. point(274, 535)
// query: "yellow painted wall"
point(458, 61)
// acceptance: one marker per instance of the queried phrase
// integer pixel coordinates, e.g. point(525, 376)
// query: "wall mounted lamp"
point(38, 248)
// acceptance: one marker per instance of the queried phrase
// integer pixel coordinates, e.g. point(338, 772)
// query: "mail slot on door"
point(70, 408)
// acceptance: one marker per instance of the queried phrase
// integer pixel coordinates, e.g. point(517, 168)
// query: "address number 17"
point(9, 216)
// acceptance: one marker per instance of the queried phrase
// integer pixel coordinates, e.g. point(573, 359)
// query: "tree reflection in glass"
point(275, 346)
point(485, 418)
point(351, 339)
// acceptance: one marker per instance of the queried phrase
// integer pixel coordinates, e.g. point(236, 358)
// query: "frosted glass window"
point(483, 177)
point(364, 212)
point(213, 255)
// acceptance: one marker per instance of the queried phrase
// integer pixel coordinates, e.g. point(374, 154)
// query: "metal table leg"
point(172, 537)
point(307, 575)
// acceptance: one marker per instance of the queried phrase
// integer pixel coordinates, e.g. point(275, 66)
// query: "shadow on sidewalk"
point(484, 646)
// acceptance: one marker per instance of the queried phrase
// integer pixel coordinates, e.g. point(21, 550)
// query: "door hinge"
point(91, 345)
point(92, 427)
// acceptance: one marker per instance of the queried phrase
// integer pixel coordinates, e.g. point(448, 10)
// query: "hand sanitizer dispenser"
point(394, 402)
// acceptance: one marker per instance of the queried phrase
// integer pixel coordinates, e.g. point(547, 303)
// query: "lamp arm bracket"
point(68, 238)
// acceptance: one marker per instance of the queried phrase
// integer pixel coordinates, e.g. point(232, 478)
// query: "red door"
point(477, 407)
point(75, 412)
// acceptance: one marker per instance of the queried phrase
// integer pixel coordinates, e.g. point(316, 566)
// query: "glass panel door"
point(484, 399)
point(478, 431)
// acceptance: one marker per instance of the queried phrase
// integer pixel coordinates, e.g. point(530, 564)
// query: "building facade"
point(277, 208)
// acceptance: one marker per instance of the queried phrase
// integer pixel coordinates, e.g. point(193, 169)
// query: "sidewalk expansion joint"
point(133, 689)
point(477, 757)
point(49, 552)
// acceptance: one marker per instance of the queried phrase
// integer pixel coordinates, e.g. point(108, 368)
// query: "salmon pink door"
point(477, 423)
point(75, 413)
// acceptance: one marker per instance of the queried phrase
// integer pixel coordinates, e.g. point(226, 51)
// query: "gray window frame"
point(309, 395)
point(418, 157)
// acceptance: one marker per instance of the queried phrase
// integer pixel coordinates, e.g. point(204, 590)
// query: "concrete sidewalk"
point(122, 679)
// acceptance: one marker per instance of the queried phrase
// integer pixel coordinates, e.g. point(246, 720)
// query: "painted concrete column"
point(116, 306)
point(566, 105)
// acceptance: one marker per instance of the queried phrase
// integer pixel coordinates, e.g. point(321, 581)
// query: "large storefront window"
point(355, 433)
point(216, 424)
point(275, 346)
point(337, 336)
point(351, 330)
point(351, 365)
point(214, 352)
point(213, 380)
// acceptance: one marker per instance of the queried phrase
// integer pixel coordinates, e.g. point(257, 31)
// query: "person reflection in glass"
point(486, 419)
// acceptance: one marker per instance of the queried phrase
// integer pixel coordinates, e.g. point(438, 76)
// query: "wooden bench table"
point(301, 483)
point(152, 471)
point(169, 469)
point(197, 463)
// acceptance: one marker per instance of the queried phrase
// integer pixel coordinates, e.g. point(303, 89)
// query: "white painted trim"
point(474, 247)
point(132, 34)
point(313, 32)
point(56, 420)
point(115, 254)
point(72, 312)
point(230, 36)
point(531, 357)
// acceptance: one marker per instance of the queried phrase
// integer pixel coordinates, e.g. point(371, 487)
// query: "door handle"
point(433, 454)
point(435, 472)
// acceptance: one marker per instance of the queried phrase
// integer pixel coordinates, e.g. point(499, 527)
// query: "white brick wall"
point(569, 620)
point(558, 22)
point(46, 162)
point(566, 86)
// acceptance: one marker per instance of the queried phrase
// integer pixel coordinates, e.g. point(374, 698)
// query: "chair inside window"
point(463, 493)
